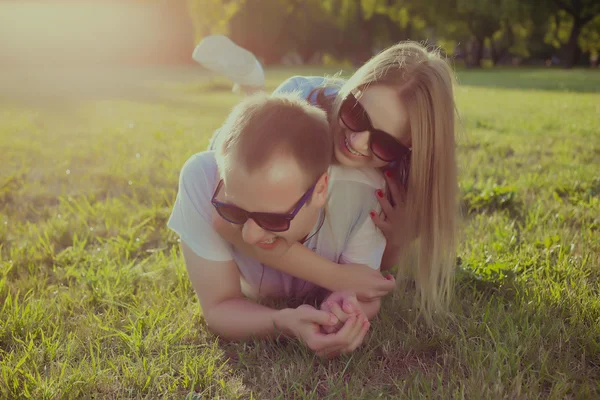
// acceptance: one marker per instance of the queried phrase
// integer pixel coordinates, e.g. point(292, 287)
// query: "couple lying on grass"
point(311, 191)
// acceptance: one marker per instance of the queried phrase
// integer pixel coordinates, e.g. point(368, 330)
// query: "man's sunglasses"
point(382, 144)
point(271, 222)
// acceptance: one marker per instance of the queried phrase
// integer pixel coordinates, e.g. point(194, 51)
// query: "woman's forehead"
point(386, 110)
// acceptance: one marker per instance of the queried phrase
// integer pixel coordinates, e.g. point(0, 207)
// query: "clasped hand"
point(339, 326)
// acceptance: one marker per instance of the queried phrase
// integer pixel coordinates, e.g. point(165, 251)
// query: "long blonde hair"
point(425, 85)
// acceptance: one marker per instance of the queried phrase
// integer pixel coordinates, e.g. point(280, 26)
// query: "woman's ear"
point(319, 196)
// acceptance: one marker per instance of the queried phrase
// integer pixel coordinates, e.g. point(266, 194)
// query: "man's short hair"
point(263, 126)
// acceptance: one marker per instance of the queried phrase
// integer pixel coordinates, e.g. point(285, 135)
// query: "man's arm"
point(226, 311)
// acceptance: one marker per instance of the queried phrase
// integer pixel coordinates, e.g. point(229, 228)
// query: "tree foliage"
point(499, 30)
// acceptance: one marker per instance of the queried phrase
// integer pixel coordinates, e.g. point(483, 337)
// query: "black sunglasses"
point(382, 144)
point(272, 222)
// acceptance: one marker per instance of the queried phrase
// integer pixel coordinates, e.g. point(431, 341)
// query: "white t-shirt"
point(348, 234)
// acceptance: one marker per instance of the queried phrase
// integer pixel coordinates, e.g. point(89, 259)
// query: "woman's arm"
point(390, 257)
point(301, 262)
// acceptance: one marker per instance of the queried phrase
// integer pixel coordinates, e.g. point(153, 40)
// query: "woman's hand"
point(393, 221)
point(367, 283)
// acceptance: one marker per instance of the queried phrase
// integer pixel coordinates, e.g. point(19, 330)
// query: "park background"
point(101, 104)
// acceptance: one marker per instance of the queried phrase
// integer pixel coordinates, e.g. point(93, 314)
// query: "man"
point(270, 176)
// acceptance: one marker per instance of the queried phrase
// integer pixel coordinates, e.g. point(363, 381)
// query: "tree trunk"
point(306, 53)
point(475, 53)
point(572, 52)
point(364, 50)
point(495, 53)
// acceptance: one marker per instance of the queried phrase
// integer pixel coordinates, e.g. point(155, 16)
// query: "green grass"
point(95, 300)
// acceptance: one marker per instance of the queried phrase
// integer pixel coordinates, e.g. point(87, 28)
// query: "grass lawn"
point(94, 296)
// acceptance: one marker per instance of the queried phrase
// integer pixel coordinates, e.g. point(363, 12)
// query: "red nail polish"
point(379, 193)
point(388, 174)
point(372, 214)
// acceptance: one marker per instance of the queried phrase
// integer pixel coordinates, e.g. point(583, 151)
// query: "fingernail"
point(333, 319)
point(379, 192)
point(372, 213)
point(388, 174)
point(389, 277)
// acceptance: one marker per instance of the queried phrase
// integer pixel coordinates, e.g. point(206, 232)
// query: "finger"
point(331, 329)
point(338, 312)
point(348, 331)
point(338, 340)
point(357, 327)
point(383, 225)
point(323, 342)
point(353, 334)
point(335, 297)
point(386, 285)
point(342, 339)
point(359, 338)
point(386, 206)
point(318, 317)
point(350, 305)
point(398, 194)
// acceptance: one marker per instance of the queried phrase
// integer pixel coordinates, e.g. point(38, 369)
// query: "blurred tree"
point(212, 16)
point(575, 28)
point(354, 29)
point(589, 40)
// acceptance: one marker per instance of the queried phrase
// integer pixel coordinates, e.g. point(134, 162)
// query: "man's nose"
point(252, 233)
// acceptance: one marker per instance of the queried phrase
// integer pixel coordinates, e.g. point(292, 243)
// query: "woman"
point(396, 114)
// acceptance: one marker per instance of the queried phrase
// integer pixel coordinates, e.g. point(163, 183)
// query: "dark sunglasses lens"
point(272, 223)
point(232, 214)
point(386, 147)
point(353, 115)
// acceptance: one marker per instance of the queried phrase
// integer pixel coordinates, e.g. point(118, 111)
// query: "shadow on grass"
point(497, 322)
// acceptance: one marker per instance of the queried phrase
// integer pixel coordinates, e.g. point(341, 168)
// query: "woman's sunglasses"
point(382, 144)
point(271, 222)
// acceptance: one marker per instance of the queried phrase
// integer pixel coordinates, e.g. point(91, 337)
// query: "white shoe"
point(219, 54)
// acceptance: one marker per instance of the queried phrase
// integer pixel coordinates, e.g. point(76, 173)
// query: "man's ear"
point(319, 196)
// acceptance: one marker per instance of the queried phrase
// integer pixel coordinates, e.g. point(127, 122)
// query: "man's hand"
point(348, 338)
point(343, 305)
point(305, 324)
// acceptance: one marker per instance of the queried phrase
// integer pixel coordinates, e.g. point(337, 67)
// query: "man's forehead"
point(269, 191)
point(279, 169)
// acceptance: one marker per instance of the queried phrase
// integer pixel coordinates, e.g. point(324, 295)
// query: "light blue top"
point(304, 85)
point(301, 84)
